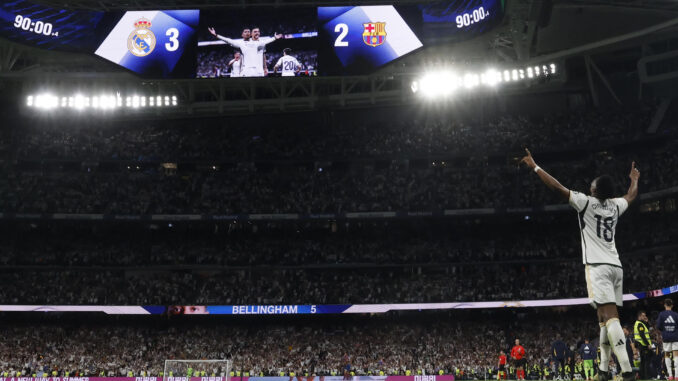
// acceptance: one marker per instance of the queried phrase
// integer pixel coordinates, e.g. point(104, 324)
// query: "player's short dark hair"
point(668, 302)
point(287, 50)
point(604, 187)
point(641, 312)
point(256, 27)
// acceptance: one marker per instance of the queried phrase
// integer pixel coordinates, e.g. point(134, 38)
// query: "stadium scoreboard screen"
point(252, 42)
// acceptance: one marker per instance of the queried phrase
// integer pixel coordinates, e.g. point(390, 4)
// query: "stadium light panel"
point(444, 83)
point(29, 101)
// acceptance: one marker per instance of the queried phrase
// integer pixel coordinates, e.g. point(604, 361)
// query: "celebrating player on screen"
point(252, 50)
point(290, 65)
point(598, 216)
point(236, 65)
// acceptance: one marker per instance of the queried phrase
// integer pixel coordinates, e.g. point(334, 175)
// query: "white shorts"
point(668, 347)
point(604, 284)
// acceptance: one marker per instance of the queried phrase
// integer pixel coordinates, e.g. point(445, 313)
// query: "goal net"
point(197, 368)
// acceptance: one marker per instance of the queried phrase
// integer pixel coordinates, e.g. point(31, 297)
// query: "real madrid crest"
point(142, 41)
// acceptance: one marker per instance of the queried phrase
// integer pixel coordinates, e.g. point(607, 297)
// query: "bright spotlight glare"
point(470, 80)
point(29, 101)
point(553, 68)
point(135, 101)
point(79, 102)
point(492, 77)
point(46, 101)
point(438, 84)
point(529, 72)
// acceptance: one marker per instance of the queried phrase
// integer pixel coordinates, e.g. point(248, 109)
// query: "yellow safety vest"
point(640, 334)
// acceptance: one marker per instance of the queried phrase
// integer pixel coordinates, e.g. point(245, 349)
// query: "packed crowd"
point(426, 343)
point(300, 189)
point(327, 175)
point(456, 282)
point(413, 243)
point(346, 136)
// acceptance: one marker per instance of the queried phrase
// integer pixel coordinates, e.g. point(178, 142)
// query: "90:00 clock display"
point(39, 27)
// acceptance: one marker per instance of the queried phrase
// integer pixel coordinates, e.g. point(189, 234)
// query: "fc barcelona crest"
point(142, 41)
point(374, 33)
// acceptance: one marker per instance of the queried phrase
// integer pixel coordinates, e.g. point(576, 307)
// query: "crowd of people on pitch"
point(462, 343)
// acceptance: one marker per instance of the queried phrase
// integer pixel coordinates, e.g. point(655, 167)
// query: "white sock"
point(618, 343)
point(604, 349)
point(667, 360)
point(675, 365)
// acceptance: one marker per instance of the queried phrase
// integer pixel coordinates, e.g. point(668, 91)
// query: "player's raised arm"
point(227, 40)
point(634, 175)
point(547, 179)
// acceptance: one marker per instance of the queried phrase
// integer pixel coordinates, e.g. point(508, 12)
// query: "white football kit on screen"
point(289, 65)
point(597, 223)
point(252, 53)
point(236, 67)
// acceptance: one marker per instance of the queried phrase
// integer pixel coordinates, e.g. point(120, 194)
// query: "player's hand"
point(277, 35)
point(635, 173)
point(528, 160)
point(212, 32)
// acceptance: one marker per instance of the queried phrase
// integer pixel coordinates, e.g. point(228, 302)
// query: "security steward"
point(641, 335)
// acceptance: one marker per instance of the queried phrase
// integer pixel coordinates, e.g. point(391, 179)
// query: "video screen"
point(358, 40)
point(48, 28)
point(255, 43)
point(153, 44)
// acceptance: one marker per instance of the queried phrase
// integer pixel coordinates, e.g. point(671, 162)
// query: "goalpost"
point(194, 368)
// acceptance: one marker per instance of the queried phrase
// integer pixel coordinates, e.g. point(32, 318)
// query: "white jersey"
point(597, 222)
point(252, 53)
point(236, 67)
point(289, 65)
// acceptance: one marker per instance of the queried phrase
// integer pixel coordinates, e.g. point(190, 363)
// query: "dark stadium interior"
point(386, 226)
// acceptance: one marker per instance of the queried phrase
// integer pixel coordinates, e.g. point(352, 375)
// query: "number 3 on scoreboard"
point(173, 35)
point(342, 29)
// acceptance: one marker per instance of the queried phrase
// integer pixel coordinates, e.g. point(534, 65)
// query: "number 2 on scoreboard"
point(342, 29)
